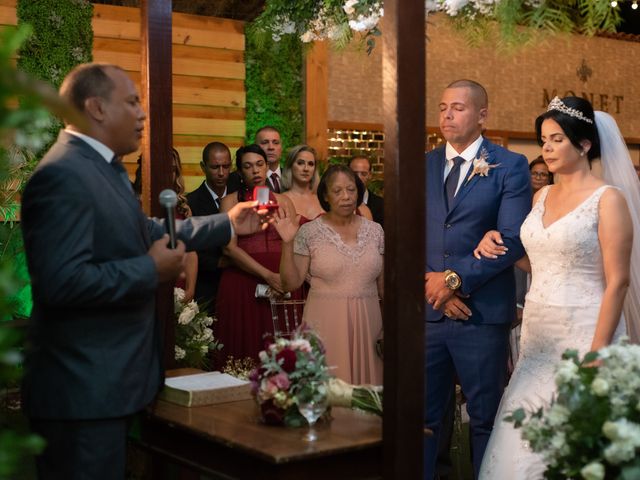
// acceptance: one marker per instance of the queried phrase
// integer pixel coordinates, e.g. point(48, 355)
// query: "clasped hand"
point(443, 298)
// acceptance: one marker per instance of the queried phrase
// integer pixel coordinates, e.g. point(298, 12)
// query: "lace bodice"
point(338, 269)
point(566, 261)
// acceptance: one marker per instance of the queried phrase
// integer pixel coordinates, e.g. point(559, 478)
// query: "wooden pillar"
point(316, 102)
point(405, 211)
point(156, 145)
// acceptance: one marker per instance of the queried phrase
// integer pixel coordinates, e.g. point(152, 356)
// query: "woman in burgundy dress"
point(243, 319)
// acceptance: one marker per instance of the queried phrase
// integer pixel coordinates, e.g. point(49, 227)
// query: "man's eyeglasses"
point(540, 174)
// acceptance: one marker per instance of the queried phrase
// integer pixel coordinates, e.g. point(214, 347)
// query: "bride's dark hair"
point(575, 128)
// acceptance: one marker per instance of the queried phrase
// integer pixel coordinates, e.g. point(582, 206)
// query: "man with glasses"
point(205, 200)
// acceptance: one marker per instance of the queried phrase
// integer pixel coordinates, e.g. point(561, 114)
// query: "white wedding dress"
point(560, 312)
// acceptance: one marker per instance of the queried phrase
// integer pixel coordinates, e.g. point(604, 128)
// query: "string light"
point(614, 4)
point(634, 5)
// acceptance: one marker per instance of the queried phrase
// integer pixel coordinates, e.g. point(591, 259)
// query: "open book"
point(205, 389)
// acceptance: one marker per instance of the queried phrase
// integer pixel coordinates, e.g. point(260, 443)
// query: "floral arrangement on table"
point(194, 338)
point(338, 20)
point(288, 366)
point(592, 429)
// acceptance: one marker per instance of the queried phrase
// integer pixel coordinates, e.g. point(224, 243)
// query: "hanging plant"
point(339, 21)
point(311, 20)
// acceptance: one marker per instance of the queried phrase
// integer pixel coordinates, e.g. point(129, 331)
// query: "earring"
point(582, 153)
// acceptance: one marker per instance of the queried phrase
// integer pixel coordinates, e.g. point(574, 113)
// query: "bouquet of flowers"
point(592, 429)
point(194, 338)
point(288, 367)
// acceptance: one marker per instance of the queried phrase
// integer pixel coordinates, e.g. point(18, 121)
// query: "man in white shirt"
point(205, 200)
point(95, 261)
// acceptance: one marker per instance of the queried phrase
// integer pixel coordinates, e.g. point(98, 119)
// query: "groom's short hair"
point(478, 91)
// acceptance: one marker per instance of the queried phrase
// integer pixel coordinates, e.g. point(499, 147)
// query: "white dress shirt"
point(469, 155)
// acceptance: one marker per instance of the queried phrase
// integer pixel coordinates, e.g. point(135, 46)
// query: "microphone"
point(169, 200)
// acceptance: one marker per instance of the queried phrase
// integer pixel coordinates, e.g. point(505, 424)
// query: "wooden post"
point(156, 145)
point(316, 99)
point(405, 212)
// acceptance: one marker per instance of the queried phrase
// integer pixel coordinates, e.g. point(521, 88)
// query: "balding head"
point(478, 92)
point(86, 81)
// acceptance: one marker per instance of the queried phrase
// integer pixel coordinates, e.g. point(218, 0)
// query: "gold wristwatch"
point(452, 280)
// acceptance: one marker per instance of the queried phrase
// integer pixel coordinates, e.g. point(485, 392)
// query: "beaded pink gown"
point(342, 303)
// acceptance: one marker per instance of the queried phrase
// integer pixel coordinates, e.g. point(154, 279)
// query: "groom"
point(472, 186)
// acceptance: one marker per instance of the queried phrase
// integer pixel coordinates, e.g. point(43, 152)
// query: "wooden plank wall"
point(209, 97)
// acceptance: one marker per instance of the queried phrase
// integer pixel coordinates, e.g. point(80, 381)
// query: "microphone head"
point(168, 198)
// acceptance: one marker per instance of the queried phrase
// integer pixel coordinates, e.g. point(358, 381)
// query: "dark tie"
point(451, 183)
point(275, 183)
point(116, 163)
point(217, 202)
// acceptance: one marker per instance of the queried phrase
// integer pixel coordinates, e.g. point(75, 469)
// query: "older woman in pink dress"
point(341, 254)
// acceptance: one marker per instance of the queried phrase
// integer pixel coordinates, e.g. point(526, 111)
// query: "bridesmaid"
point(243, 319)
point(300, 179)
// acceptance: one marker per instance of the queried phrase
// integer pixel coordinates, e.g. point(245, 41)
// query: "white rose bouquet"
point(592, 429)
point(194, 337)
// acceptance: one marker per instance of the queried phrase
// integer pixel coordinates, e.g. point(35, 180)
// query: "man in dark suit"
point(205, 200)
point(268, 138)
point(95, 260)
point(472, 186)
point(362, 167)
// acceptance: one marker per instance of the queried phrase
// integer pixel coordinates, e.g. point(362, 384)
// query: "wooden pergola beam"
point(156, 95)
point(316, 99)
point(405, 246)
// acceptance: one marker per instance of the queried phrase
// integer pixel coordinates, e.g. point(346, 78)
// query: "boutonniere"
point(481, 166)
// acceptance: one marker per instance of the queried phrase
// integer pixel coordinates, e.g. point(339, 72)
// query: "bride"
point(578, 239)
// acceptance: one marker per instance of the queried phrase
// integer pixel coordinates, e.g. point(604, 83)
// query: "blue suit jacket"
point(499, 201)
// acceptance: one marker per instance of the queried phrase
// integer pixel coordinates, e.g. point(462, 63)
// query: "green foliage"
point(478, 22)
point(13, 449)
point(21, 130)
point(54, 35)
point(274, 86)
point(62, 39)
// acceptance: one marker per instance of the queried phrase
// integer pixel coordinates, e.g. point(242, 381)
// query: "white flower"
point(558, 441)
point(307, 37)
point(186, 316)
point(178, 295)
point(207, 335)
point(593, 471)
point(600, 387)
point(558, 414)
point(179, 353)
point(622, 430)
point(348, 7)
point(301, 344)
point(204, 349)
point(566, 372)
point(452, 7)
point(619, 452)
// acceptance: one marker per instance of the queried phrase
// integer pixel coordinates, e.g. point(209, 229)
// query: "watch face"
point(453, 281)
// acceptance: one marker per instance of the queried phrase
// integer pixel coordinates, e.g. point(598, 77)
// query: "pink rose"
point(281, 380)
